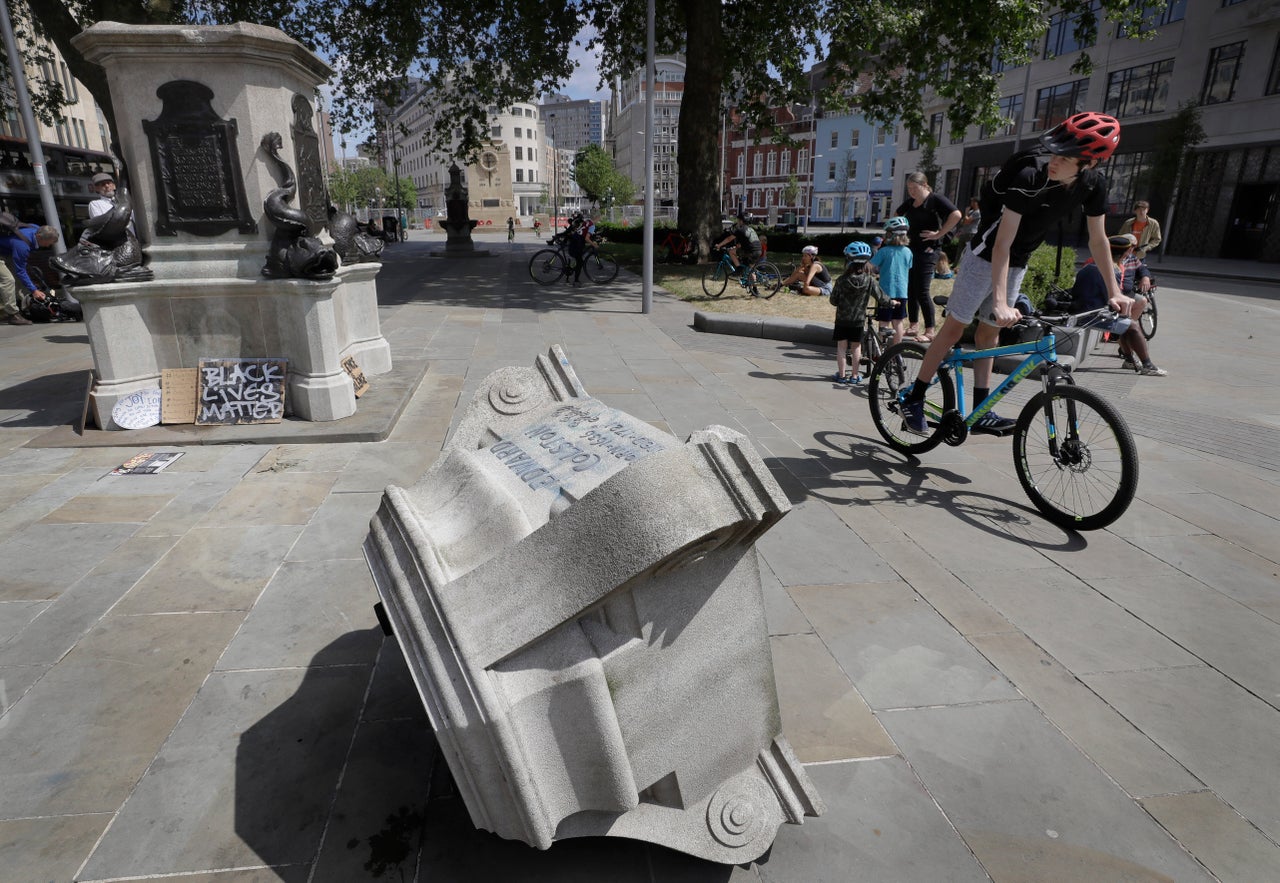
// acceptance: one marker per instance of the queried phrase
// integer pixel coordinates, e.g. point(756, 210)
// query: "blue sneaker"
point(853, 380)
point(993, 424)
point(913, 418)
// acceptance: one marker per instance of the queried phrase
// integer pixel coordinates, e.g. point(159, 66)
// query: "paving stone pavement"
point(193, 685)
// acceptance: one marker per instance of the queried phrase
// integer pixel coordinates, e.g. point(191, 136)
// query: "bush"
point(1040, 275)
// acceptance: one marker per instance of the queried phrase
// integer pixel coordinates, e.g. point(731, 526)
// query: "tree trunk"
point(699, 148)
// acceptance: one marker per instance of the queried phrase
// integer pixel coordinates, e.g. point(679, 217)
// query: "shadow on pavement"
point(52, 400)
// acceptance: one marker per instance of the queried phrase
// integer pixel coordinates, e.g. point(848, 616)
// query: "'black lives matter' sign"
point(241, 391)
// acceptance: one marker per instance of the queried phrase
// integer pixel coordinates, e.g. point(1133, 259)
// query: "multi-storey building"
point(1222, 55)
point(626, 127)
point(763, 175)
point(509, 177)
point(573, 123)
point(854, 165)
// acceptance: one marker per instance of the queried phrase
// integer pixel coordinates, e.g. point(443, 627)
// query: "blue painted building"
point(854, 167)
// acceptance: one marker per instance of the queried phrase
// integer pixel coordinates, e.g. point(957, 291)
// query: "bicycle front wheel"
point(1076, 458)
point(1147, 321)
point(891, 379)
point(768, 279)
point(547, 266)
point(600, 268)
point(715, 281)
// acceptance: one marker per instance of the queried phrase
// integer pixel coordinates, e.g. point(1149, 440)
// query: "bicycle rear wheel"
point(892, 378)
point(600, 268)
point(768, 279)
point(547, 266)
point(1091, 479)
point(1147, 321)
point(715, 280)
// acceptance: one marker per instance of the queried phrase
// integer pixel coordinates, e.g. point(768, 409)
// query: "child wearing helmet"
point(1019, 208)
point(849, 296)
point(811, 278)
point(893, 264)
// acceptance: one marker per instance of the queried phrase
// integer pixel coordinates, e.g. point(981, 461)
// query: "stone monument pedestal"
point(192, 106)
point(578, 599)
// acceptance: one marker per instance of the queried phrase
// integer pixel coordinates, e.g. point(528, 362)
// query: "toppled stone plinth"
point(578, 597)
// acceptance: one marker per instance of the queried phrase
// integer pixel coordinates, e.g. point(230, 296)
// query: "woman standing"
point(932, 218)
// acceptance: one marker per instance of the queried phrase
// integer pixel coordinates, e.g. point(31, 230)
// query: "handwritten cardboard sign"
point(358, 380)
point(178, 387)
point(241, 391)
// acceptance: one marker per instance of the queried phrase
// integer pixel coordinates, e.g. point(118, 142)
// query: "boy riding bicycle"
point(746, 248)
point(1019, 208)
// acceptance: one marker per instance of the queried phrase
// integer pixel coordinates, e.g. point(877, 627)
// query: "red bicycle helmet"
point(1087, 136)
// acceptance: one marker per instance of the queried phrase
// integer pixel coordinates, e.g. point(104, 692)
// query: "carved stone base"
point(578, 598)
point(136, 330)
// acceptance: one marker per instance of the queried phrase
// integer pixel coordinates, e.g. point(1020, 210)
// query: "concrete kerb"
point(767, 327)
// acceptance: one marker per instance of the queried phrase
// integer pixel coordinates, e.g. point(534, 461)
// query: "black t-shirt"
point(1041, 203)
point(929, 215)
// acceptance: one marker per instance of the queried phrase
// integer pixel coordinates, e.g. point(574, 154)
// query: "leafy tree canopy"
point(599, 179)
point(750, 53)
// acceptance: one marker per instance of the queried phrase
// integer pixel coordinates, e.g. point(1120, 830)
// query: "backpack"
point(991, 199)
point(11, 226)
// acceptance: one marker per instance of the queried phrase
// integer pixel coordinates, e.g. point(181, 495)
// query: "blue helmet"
point(897, 224)
point(857, 251)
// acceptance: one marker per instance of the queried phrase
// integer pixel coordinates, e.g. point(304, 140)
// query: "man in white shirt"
point(105, 186)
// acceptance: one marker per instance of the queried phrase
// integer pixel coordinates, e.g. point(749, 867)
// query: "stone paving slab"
point(1021, 795)
point(938, 545)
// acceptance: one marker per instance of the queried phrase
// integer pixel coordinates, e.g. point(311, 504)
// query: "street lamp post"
point(555, 176)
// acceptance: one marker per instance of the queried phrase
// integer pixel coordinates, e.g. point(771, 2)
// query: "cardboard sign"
point(178, 395)
point(358, 380)
point(146, 463)
point(241, 391)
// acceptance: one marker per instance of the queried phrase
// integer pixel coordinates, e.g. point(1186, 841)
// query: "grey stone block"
point(728, 323)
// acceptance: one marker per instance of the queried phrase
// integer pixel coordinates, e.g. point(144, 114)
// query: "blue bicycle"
point(1073, 452)
point(764, 279)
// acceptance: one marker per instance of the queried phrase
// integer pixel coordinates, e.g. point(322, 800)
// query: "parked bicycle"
point(762, 280)
point(875, 340)
point(1074, 454)
point(677, 248)
point(552, 264)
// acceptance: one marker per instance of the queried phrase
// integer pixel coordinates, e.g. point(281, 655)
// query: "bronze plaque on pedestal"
point(312, 198)
point(199, 187)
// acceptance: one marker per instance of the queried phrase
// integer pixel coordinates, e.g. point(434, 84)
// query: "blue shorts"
point(824, 288)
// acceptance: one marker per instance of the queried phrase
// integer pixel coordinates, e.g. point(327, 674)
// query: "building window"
point(519, 132)
point(496, 132)
point(742, 165)
point(519, 152)
point(851, 169)
point(1061, 37)
point(802, 163)
point(935, 127)
point(771, 164)
point(880, 136)
point(1156, 15)
point(757, 165)
point(853, 138)
point(831, 171)
point(1140, 90)
point(877, 168)
point(519, 176)
point(893, 165)
point(1224, 70)
point(913, 142)
point(1125, 171)
point(835, 139)
point(786, 162)
point(957, 134)
point(1055, 104)
point(1273, 80)
point(826, 207)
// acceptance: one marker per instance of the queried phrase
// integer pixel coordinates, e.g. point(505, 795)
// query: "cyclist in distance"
point(746, 249)
point(1019, 207)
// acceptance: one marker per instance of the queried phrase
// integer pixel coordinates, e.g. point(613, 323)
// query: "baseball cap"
point(1121, 241)
point(101, 177)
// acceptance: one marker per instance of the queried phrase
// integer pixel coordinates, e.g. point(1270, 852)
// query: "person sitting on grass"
point(1090, 293)
point(811, 278)
point(849, 295)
